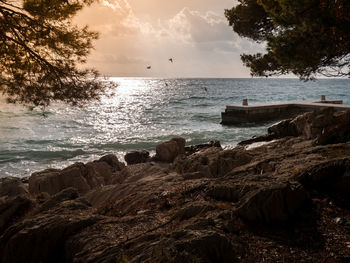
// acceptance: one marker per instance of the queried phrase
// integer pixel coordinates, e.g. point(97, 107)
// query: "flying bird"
point(149, 67)
point(171, 60)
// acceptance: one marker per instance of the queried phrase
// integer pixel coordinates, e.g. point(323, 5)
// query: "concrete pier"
point(238, 114)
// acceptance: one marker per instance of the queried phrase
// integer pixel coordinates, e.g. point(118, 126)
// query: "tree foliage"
point(304, 37)
point(41, 52)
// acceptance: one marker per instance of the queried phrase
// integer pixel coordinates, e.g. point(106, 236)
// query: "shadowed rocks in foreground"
point(280, 202)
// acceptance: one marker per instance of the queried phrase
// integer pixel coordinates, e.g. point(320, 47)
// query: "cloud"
point(110, 17)
point(209, 31)
point(209, 27)
point(117, 59)
point(129, 41)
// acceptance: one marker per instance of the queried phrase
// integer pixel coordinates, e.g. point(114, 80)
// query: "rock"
point(64, 195)
point(196, 148)
point(202, 163)
point(337, 131)
point(194, 210)
point(311, 124)
point(325, 126)
point(207, 246)
point(98, 173)
point(136, 157)
point(327, 176)
point(210, 163)
point(262, 138)
point(119, 177)
point(195, 175)
point(13, 208)
point(168, 151)
point(142, 181)
point(113, 162)
point(181, 142)
point(83, 177)
point(283, 129)
point(53, 181)
point(41, 238)
point(279, 130)
point(275, 204)
point(147, 212)
point(11, 186)
point(42, 197)
point(225, 193)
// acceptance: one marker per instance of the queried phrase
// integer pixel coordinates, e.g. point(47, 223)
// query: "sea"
point(142, 113)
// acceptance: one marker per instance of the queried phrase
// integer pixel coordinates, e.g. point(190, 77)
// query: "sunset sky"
point(138, 33)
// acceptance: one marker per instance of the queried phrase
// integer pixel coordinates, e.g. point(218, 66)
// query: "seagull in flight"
point(171, 60)
point(149, 67)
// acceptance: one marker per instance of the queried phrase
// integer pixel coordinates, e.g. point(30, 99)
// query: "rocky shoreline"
point(287, 200)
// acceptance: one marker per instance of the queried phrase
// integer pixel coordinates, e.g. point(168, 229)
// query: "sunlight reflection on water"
point(143, 112)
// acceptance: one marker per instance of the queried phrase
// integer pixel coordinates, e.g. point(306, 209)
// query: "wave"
point(40, 156)
point(198, 98)
point(118, 146)
point(39, 113)
point(206, 118)
point(149, 113)
point(203, 104)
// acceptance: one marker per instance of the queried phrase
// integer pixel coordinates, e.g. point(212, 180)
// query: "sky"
point(135, 34)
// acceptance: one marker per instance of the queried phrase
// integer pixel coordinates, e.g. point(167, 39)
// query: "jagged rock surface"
point(83, 177)
point(323, 126)
point(136, 157)
point(274, 203)
point(168, 151)
point(10, 186)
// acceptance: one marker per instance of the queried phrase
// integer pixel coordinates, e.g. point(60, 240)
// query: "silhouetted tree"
point(41, 51)
point(304, 37)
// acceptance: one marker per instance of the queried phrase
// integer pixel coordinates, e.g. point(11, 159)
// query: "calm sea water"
point(143, 113)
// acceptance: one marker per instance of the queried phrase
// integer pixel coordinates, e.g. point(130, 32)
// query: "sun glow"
point(137, 33)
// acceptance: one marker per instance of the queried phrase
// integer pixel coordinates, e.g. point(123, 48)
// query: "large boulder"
point(83, 177)
point(328, 176)
point(41, 238)
point(64, 195)
point(196, 148)
point(225, 192)
point(337, 131)
point(139, 188)
point(136, 157)
point(53, 181)
point(324, 126)
point(273, 204)
point(12, 209)
point(112, 161)
point(283, 129)
point(168, 151)
point(210, 163)
point(310, 125)
point(206, 246)
point(11, 186)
